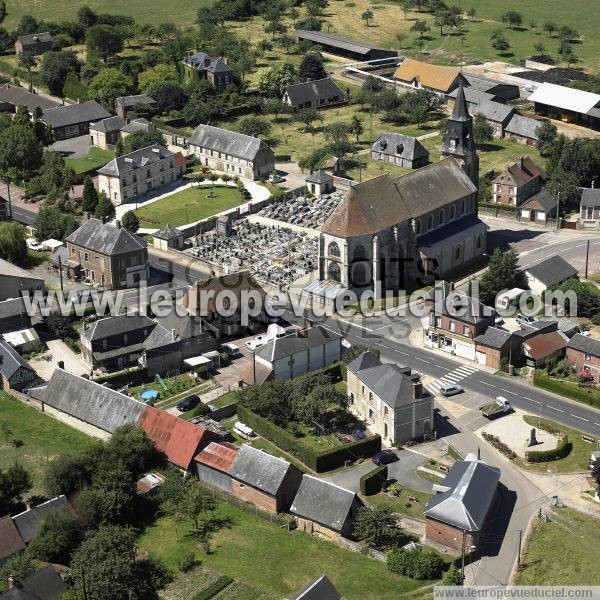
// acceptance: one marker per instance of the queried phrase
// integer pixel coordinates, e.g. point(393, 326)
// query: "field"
point(95, 159)
point(568, 534)
point(192, 204)
point(270, 558)
point(42, 436)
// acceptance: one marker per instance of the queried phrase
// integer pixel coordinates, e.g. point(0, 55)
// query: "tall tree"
point(107, 86)
point(51, 222)
point(503, 273)
point(105, 210)
point(311, 67)
point(20, 151)
point(513, 18)
point(420, 26)
point(13, 247)
point(378, 528)
point(55, 68)
point(15, 482)
point(104, 41)
point(89, 201)
point(356, 127)
point(366, 16)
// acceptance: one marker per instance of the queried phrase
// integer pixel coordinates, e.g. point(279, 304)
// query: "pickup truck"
point(500, 406)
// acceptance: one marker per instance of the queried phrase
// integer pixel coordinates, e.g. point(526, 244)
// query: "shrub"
point(452, 576)
point(499, 445)
point(371, 482)
point(423, 564)
point(187, 562)
point(561, 451)
point(587, 395)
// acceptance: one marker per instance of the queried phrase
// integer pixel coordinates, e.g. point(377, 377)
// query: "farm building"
point(343, 46)
point(435, 78)
point(399, 149)
point(320, 93)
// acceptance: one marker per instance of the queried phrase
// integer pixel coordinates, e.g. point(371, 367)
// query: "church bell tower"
point(459, 141)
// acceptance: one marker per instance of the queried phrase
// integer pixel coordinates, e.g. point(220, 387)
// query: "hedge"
point(317, 461)
point(371, 482)
point(561, 451)
point(567, 389)
point(214, 588)
point(74, 89)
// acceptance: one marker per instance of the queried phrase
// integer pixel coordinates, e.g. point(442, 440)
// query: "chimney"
point(118, 224)
point(417, 388)
point(593, 183)
point(12, 582)
point(173, 334)
point(520, 162)
point(61, 364)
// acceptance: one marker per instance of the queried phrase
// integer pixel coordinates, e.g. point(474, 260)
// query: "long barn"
point(343, 46)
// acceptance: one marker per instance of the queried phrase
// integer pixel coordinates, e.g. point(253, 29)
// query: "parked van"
point(243, 430)
point(509, 299)
point(231, 349)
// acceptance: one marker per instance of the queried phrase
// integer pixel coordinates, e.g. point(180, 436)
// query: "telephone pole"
point(587, 258)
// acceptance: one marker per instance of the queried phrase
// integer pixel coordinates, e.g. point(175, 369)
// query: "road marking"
point(597, 424)
point(439, 366)
point(531, 399)
point(581, 418)
point(554, 408)
point(394, 350)
point(508, 391)
point(422, 360)
point(488, 384)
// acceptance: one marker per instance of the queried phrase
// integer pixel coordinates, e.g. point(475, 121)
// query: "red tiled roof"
point(546, 344)
point(177, 438)
point(11, 541)
point(219, 456)
point(180, 160)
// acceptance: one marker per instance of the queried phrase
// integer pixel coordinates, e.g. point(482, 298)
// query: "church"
point(392, 234)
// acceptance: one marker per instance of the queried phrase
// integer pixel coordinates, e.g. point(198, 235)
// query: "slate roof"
point(319, 589)
point(18, 96)
point(73, 114)
point(259, 469)
point(398, 144)
point(90, 402)
point(471, 486)
point(492, 111)
point(34, 38)
point(364, 361)
point(543, 200)
point(108, 124)
point(564, 97)
point(11, 541)
point(168, 232)
point(117, 325)
point(290, 344)
point(321, 177)
point(219, 456)
point(11, 361)
point(12, 308)
point(473, 96)
point(552, 270)
point(137, 159)
point(233, 143)
point(428, 75)
point(323, 502)
point(45, 584)
point(135, 125)
point(585, 344)
point(493, 337)
point(523, 126)
point(9, 270)
point(590, 197)
point(314, 91)
point(523, 171)
point(130, 101)
point(343, 43)
point(29, 522)
point(545, 344)
point(178, 439)
point(444, 233)
point(392, 383)
point(474, 311)
point(107, 238)
point(202, 61)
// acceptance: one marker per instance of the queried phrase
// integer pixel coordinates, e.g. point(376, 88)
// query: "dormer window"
point(453, 143)
point(383, 144)
point(399, 148)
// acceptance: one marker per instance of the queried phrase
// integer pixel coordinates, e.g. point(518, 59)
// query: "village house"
point(72, 120)
point(496, 114)
point(458, 515)
point(492, 346)
point(44, 584)
point(500, 91)
point(589, 207)
point(390, 399)
point(29, 521)
point(548, 273)
point(34, 43)
point(138, 104)
point(135, 125)
point(399, 149)
point(523, 129)
point(324, 509)
point(319, 589)
point(215, 70)
point(583, 354)
point(15, 372)
point(540, 208)
point(11, 542)
point(320, 93)
point(13, 315)
point(427, 76)
point(538, 348)
point(106, 133)
point(108, 255)
point(231, 152)
point(518, 182)
point(14, 281)
point(319, 183)
point(11, 97)
point(140, 172)
point(168, 237)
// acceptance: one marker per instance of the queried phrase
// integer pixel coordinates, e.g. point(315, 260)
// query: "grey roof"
point(9, 270)
point(344, 43)
point(105, 238)
point(129, 101)
point(259, 469)
point(485, 84)
point(35, 38)
point(364, 361)
point(12, 308)
point(398, 144)
point(119, 324)
point(202, 61)
point(313, 91)
point(290, 344)
point(445, 232)
point(73, 114)
point(471, 487)
point(158, 338)
point(11, 361)
point(28, 522)
point(321, 177)
point(45, 584)
point(184, 326)
point(140, 124)
point(230, 142)
point(473, 96)
point(543, 200)
point(137, 159)
point(585, 344)
point(323, 502)
point(566, 326)
point(590, 197)
point(493, 337)
point(108, 124)
point(168, 232)
point(18, 96)
point(459, 302)
point(319, 589)
point(523, 126)
point(493, 111)
point(90, 402)
point(552, 270)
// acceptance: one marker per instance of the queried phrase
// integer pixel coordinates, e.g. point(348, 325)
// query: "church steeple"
point(459, 141)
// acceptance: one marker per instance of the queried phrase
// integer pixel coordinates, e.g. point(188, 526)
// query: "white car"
point(257, 342)
point(450, 389)
point(33, 244)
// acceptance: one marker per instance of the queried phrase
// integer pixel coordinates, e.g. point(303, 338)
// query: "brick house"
point(462, 504)
point(454, 322)
point(583, 354)
point(390, 399)
point(140, 172)
point(216, 71)
point(492, 346)
point(107, 255)
point(538, 348)
point(34, 43)
point(517, 183)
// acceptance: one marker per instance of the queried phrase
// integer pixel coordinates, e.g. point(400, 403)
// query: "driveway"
point(58, 350)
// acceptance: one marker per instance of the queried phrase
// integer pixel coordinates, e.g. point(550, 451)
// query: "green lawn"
point(95, 159)
point(43, 438)
point(187, 206)
point(562, 552)
point(568, 388)
point(270, 558)
point(401, 504)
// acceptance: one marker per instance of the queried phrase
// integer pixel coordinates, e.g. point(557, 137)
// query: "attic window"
point(399, 148)
point(383, 144)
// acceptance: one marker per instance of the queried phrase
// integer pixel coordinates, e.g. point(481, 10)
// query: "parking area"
point(45, 363)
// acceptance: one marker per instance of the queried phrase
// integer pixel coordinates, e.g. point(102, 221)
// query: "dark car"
point(188, 403)
point(385, 457)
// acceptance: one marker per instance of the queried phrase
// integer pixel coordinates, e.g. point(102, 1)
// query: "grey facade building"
point(15, 281)
point(399, 149)
point(72, 120)
point(523, 129)
point(390, 399)
point(231, 152)
point(34, 43)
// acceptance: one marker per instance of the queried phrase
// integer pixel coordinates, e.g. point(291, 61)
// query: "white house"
point(548, 273)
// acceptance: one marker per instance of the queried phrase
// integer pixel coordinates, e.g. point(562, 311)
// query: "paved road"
point(23, 216)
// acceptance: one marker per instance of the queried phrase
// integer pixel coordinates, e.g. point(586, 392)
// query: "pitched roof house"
point(583, 354)
point(15, 372)
point(214, 70)
point(14, 281)
point(589, 207)
point(11, 541)
point(518, 182)
point(29, 521)
point(319, 589)
point(399, 149)
point(343, 46)
point(125, 104)
point(431, 77)
point(548, 273)
point(319, 93)
point(523, 129)
point(72, 120)
point(34, 43)
point(11, 97)
point(45, 584)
